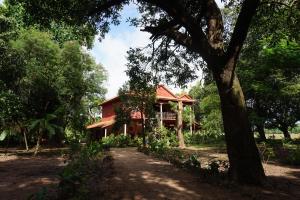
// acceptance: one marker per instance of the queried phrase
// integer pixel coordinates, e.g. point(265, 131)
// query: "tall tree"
point(274, 91)
point(138, 95)
point(183, 31)
point(38, 77)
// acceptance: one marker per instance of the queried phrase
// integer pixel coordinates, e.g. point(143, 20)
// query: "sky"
point(111, 51)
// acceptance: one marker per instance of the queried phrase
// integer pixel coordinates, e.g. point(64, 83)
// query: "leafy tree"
point(60, 32)
point(182, 32)
point(42, 78)
point(138, 95)
point(273, 92)
point(40, 126)
point(208, 110)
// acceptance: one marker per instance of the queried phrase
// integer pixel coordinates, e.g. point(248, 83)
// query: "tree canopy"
point(185, 35)
point(40, 76)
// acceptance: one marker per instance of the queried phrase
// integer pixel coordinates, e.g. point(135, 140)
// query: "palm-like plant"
point(43, 125)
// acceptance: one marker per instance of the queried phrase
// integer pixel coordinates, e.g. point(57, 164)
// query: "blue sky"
point(111, 52)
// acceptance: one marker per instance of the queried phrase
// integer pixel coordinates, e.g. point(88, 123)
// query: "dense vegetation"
point(50, 84)
point(48, 88)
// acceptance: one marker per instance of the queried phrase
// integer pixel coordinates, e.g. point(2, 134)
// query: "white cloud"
point(111, 52)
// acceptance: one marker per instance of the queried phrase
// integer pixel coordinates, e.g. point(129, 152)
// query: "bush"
point(203, 137)
point(288, 155)
point(162, 138)
point(77, 177)
point(192, 162)
point(120, 141)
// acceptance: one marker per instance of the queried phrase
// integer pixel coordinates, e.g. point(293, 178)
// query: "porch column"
point(105, 132)
point(125, 129)
point(161, 115)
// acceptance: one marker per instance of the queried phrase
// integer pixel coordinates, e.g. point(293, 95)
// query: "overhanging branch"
point(241, 28)
point(101, 7)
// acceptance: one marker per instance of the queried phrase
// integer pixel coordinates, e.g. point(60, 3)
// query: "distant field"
point(280, 136)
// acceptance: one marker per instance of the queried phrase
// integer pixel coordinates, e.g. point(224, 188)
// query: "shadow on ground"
point(21, 176)
point(138, 176)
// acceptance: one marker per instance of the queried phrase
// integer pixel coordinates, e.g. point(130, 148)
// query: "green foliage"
point(138, 95)
point(161, 139)
point(203, 137)
point(209, 114)
point(283, 151)
point(60, 31)
point(40, 126)
point(39, 77)
point(214, 167)
point(192, 162)
point(76, 178)
point(272, 86)
point(120, 141)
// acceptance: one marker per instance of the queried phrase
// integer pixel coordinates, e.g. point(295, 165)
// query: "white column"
point(125, 129)
point(161, 115)
point(105, 132)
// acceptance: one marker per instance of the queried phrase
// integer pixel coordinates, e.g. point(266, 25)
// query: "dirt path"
point(138, 176)
point(21, 176)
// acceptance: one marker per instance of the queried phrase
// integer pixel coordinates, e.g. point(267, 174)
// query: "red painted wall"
point(108, 110)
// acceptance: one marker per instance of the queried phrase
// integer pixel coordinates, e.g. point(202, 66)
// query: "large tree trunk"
point(261, 132)
point(179, 125)
point(244, 159)
point(286, 132)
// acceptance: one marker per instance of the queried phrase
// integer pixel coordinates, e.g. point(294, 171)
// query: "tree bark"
point(179, 125)
point(261, 132)
point(143, 129)
point(25, 140)
point(286, 133)
point(37, 144)
point(245, 162)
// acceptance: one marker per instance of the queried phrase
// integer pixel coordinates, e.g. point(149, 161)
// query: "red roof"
point(162, 93)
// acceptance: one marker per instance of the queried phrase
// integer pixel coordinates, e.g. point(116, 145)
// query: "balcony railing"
point(166, 115)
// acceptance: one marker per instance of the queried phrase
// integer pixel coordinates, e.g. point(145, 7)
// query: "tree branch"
point(105, 6)
point(178, 37)
point(177, 11)
point(241, 28)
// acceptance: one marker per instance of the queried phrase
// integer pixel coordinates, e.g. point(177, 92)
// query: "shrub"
point(203, 137)
point(192, 162)
point(162, 138)
point(288, 155)
point(121, 141)
point(81, 170)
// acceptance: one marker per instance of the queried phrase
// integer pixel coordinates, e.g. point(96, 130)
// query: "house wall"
point(108, 110)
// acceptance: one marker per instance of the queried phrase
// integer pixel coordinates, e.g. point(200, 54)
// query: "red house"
point(164, 113)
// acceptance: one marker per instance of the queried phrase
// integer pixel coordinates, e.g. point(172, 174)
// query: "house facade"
point(164, 114)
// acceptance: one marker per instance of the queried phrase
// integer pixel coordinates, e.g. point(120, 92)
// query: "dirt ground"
point(23, 175)
point(140, 177)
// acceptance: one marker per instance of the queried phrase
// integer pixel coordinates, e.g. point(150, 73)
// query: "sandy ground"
point(138, 176)
point(21, 176)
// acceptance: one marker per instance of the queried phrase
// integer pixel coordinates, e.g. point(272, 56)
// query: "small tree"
point(41, 126)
